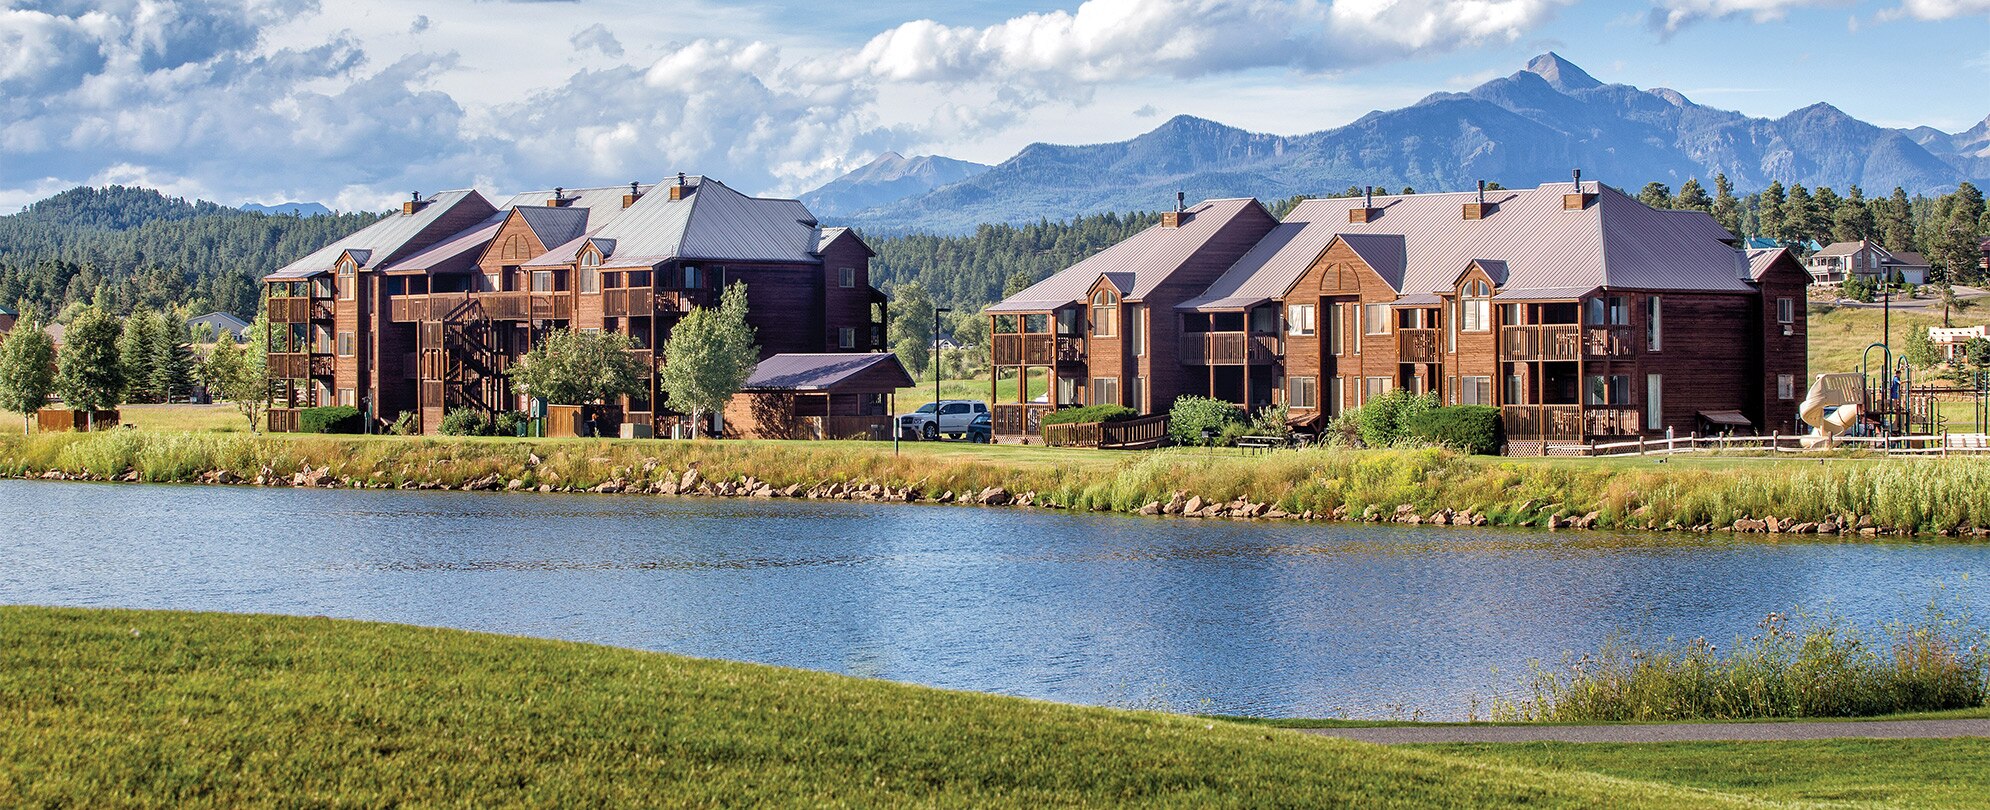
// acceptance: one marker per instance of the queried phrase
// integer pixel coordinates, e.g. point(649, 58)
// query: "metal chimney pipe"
point(1181, 201)
point(1482, 192)
point(1578, 181)
point(1368, 197)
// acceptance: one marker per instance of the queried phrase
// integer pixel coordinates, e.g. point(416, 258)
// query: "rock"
point(993, 496)
point(1750, 525)
point(1803, 528)
point(545, 487)
point(689, 481)
point(1276, 513)
point(1590, 519)
point(226, 477)
point(533, 460)
point(763, 491)
point(1556, 522)
point(1152, 508)
point(1192, 505)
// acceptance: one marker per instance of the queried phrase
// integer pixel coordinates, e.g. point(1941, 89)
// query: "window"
point(1105, 313)
point(1264, 321)
point(1299, 319)
point(1067, 322)
point(1377, 386)
point(846, 338)
point(347, 346)
point(1786, 386)
point(542, 281)
point(1475, 390)
point(1516, 390)
point(1509, 314)
point(1451, 327)
point(590, 272)
point(1652, 324)
point(1610, 310)
point(1378, 319)
point(693, 278)
point(846, 276)
point(1334, 329)
point(1654, 402)
point(348, 397)
point(1786, 310)
point(953, 408)
point(1136, 341)
point(1303, 392)
point(1136, 393)
point(1614, 389)
point(1105, 390)
point(1477, 316)
point(1336, 396)
point(348, 280)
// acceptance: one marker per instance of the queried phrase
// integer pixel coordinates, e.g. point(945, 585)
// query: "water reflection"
point(1271, 620)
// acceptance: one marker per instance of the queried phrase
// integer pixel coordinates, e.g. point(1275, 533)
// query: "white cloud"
point(1668, 16)
point(598, 38)
point(1936, 9)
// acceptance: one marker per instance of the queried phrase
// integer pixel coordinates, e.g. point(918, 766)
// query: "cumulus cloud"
point(597, 37)
point(1937, 9)
point(1668, 16)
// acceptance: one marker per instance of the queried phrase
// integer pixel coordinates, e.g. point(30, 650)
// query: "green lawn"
point(1883, 773)
point(155, 709)
point(214, 418)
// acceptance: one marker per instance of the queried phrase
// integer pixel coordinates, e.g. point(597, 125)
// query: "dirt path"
point(1677, 732)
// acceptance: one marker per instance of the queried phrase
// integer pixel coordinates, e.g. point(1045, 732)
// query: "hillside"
point(1525, 129)
point(889, 178)
point(265, 710)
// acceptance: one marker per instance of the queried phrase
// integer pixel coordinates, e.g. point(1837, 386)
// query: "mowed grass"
point(1864, 773)
point(154, 709)
point(222, 418)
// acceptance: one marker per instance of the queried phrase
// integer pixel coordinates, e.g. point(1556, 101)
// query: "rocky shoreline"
point(653, 479)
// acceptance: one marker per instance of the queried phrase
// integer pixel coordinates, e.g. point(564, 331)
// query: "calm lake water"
point(1271, 620)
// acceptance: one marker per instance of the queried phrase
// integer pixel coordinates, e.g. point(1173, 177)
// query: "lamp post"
point(934, 361)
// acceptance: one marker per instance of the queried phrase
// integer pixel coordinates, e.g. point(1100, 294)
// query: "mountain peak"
point(1561, 74)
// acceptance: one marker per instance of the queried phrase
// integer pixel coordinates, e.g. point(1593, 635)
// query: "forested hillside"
point(972, 271)
point(128, 247)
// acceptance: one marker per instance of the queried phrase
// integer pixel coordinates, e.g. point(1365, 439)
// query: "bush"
point(1383, 417)
point(508, 423)
point(407, 424)
point(334, 419)
point(1344, 430)
point(1190, 415)
point(466, 422)
point(1090, 413)
point(1467, 428)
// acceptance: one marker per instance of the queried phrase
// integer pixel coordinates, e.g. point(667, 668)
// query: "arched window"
point(590, 271)
point(1105, 313)
point(1476, 314)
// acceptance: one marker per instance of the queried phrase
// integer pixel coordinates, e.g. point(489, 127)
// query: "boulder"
point(1193, 505)
point(1152, 508)
point(993, 496)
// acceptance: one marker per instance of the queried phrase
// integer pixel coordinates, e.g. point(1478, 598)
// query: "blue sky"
point(356, 102)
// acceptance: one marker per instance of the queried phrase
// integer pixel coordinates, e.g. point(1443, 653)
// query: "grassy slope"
point(151, 709)
point(1893, 773)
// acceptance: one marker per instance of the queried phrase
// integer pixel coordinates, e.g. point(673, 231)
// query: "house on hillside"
point(1580, 312)
point(1866, 259)
point(425, 310)
point(219, 324)
point(1953, 341)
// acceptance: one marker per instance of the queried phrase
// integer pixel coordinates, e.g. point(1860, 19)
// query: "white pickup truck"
point(950, 417)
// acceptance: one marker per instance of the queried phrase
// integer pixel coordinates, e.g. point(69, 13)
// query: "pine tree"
point(1656, 195)
point(1955, 249)
point(1727, 209)
point(89, 376)
point(1895, 222)
point(136, 351)
point(1769, 211)
point(172, 358)
point(1692, 197)
point(1853, 220)
point(1799, 217)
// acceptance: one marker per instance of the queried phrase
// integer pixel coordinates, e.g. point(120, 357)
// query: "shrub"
point(334, 419)
point(508, 423)
point(1467, 428)
point(407, 424)
point(1190, 415)
point(1344, 430)
point(1090, 413)
point(466, 422)
point(1382, 418)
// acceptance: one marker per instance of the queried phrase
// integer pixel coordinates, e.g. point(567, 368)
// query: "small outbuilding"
point(818, 396)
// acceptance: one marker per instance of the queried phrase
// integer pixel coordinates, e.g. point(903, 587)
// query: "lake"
point(1237, 618)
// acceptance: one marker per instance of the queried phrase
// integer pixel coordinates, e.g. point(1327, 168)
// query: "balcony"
point(1416, 345)
point(1544, 342)
point(290, 310)
point(1568, 422)
point(1036, 350)
point(1227, 349)
point(527, 306)
point(289, 365)
point(1019, 420)
point(323, 365)
point(409, 309)
point(634, 302)
point(1607, 341)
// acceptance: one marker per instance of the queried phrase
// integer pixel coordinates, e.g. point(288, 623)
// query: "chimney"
point(1480, 209)
point(1577, 200)
point(560, 199)
point(680, 191)
point(635, 193)
point(1367, 212)
point(1179, 216)
point(414, 203)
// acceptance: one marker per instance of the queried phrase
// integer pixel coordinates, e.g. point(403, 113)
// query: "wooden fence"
point(1129, 434)
point(62, 420)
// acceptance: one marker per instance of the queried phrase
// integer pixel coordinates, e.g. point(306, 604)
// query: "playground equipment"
point(1832, 407)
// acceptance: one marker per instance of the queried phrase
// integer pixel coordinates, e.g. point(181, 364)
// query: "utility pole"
point(934, 361)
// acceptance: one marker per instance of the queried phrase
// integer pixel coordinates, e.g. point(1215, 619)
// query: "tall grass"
point(1904, 495)
point(1797, 665)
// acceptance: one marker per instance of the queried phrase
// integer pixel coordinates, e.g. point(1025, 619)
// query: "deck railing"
point(1036, 350)
point(525, 306)
point(636, 302)
point(1227, 349)
point(1018, 420)
point(290, 310)
point(1543, 342)
point(1416, 346)
point(280, 420)
point(1608, 341)
point(289, 365)
point(1146, 431)
point(1567, 422)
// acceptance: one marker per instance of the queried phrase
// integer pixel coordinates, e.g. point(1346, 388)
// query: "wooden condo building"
point(425, 310)
point(1580, 312)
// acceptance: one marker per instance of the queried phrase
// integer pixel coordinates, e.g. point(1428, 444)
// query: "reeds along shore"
point(1846, 496)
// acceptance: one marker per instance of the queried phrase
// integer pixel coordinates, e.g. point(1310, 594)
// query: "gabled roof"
point(1420, 243)
point(711, 221)
point(554, 226)
point(1760, 260)
point(384, 241)
point(1150, 257)
point(818, 372)
point(1906, 258)
point(359, 256)
point(1495, 270)
point(1841, 249)
point(462, 245)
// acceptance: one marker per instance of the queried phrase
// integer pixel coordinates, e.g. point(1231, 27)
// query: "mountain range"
point(1532, 127)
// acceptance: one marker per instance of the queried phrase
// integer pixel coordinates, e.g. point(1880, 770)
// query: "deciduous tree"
point(709, 357)
point(240, 376)
point(89, 376)
point(571, 367)
point(27, 370)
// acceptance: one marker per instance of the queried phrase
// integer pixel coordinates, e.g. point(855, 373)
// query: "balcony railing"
point(408, 308)
point(634, 302)
point(1037, 350)
point(1227, 349)
point(1546, 342)
point(1567, 422)
point(1608, 341)
point(289, 365)
point(280, 420)
point(322, 365)
point(1416, 346)
point(290, 310)
point(527, 306)
point(1019, 420)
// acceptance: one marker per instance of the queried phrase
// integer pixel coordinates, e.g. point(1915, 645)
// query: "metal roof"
point(386, 238)
point(817, 372)
point(712, 221)
point(1150, 257)
point(1419, 300)
point(1614, 241)
point(1544, 294)
point(470, 241)
point(1840, 249)
point(1760, 260)
point(554, 226)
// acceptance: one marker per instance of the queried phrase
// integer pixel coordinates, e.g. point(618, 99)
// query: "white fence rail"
point(1920, 445)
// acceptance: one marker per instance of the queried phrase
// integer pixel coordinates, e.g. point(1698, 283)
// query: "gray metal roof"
point(1419, 300)
point(386, 238)
point(711, 222)
point(1839, 249)
point(1760, 259)
point(1150, 257)
point(1615, 241)
point(472, 240)
point(816, 372)
point(554, 226)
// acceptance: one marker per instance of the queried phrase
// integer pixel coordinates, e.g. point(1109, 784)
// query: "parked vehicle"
point(982, 429)
point(951, 417)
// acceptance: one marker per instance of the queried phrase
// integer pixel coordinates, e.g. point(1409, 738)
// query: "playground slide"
point(1845, 392)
